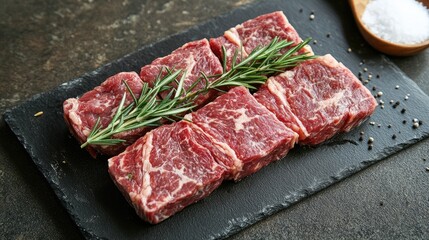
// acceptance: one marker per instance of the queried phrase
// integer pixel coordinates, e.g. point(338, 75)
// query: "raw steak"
point(169, 168)
point(255, 136)
point(257, 32)
point(193, 58)
point(82, 113)
point(278, 105)
point(323, 94)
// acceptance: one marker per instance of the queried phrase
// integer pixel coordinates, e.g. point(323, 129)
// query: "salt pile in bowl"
point(398, 21)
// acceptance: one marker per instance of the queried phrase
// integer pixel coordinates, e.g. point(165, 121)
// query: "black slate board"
point(99, 210)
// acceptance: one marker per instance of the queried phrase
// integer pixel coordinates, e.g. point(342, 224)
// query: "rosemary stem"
point(148, 109)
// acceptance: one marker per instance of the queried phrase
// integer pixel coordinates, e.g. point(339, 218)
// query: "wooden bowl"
point(382, 45)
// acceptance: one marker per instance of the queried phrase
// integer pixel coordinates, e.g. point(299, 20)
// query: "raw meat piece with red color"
point(82, 113)
point(254, 135)
point(168, 169)
point(193, 58)
point(323, 94)
point(274, 99)
point(257, 32)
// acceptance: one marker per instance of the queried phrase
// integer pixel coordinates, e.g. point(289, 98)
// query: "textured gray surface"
point(47, 43)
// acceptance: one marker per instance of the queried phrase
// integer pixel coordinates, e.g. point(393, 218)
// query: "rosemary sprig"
point(148, 109)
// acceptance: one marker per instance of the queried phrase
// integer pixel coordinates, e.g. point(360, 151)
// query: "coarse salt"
point(399, 21)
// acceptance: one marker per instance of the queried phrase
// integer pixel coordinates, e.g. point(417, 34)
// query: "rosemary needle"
point(149, 110)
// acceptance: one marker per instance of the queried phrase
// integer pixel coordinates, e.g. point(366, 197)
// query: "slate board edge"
point(46, 172)
point(236, 225)
point(57, 189)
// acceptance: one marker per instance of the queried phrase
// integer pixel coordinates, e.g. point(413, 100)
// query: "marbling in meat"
point(193, 59)
point(169, 168)
point(253, 134)
point(256, 32)
point(320, 96)
point(82, 113)
point(178, 164)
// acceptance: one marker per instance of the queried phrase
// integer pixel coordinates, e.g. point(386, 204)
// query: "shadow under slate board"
point(86, 191)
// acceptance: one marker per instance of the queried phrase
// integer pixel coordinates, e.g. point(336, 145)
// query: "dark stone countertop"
point(46, 43)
